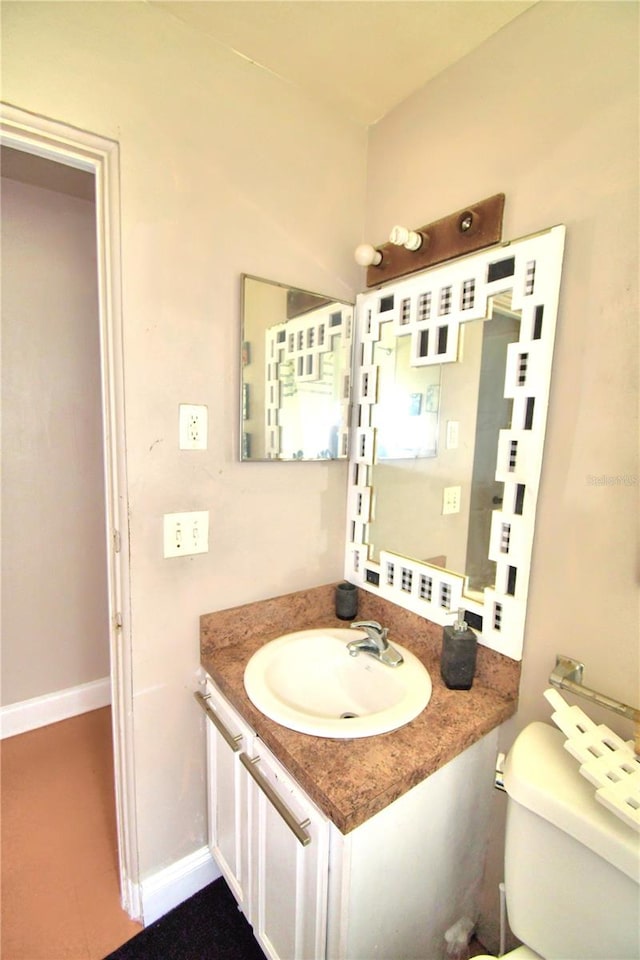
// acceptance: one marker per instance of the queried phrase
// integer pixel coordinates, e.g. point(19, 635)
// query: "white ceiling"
point(363, 57)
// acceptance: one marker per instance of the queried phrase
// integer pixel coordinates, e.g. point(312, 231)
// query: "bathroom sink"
point(307, 681)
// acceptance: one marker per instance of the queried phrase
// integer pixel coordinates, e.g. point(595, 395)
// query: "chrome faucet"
point(375, 643)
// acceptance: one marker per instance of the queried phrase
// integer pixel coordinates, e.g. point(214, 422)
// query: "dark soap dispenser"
point(458, 658)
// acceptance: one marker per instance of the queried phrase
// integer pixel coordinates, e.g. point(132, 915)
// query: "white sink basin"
point(307, 681)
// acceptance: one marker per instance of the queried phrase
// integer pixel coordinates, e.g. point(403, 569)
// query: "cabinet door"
point(289, 863)
point(227, 791)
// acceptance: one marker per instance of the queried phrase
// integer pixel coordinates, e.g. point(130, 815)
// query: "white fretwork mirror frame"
point(430, 306)
point(303, 342)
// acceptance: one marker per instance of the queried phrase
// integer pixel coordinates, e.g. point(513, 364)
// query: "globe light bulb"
point(367, 255)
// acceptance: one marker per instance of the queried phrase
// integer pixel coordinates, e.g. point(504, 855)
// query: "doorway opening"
point(74, 153)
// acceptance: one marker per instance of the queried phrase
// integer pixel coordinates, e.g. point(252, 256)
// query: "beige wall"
point(224, 169)
point(547, 111)
point(55, 631)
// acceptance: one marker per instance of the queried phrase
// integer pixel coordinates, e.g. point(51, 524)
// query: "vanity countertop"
point(352, 780)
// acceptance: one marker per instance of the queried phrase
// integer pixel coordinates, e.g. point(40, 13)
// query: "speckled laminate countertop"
point(351, 780)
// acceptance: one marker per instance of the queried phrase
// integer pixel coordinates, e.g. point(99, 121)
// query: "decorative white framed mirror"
point(450, 392)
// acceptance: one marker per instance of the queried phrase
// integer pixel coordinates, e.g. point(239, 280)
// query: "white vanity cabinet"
point(270, 842)
point(389, 888)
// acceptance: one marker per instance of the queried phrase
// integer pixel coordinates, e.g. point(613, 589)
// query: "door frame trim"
point(73, 147)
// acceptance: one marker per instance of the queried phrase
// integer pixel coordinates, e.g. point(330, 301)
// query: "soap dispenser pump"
point(458, 658)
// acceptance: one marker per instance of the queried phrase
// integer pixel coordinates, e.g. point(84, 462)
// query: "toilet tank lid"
point(542, 776)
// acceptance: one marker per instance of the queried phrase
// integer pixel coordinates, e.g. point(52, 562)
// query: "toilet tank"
point(572, 868)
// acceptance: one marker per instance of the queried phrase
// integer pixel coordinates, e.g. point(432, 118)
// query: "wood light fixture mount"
point(460, 233)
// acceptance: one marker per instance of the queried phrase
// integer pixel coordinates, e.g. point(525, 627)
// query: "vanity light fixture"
point(455, 235)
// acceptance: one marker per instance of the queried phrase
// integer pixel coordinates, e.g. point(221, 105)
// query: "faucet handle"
point(367, 625)
point(374, 630)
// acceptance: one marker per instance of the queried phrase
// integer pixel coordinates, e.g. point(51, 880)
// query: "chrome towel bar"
point(567, 675)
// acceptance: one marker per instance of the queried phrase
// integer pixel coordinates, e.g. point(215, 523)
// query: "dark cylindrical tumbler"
point(346, 601)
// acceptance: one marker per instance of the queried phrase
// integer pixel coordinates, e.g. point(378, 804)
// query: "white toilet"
point(572, 868)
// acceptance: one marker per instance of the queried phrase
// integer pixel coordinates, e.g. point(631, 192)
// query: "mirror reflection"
point(436, 430)
point(296, 363)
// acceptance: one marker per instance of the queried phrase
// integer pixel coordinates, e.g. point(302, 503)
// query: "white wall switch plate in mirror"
point(192, 419)
point(186, 533)
point(453, 430)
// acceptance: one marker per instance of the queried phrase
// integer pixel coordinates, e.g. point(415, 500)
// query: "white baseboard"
point(52, 707)
point(169, 887)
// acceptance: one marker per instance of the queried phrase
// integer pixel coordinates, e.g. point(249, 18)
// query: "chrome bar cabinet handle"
point(249, 763)
point(233, 740)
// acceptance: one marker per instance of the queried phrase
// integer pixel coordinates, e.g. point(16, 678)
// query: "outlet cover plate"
point(451, 500)
point(192, 426)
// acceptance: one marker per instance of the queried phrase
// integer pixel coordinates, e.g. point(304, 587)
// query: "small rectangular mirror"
point(295, 373)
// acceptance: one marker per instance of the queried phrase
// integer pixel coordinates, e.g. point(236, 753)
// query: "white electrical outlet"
point(192, 426)
point(451, 499)
point(186, 533)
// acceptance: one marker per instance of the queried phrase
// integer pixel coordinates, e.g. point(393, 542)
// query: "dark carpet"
point(207, 926)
